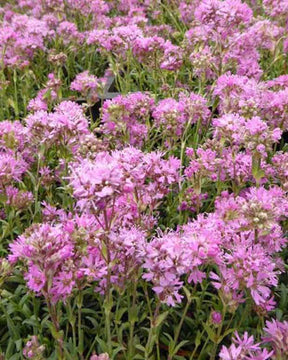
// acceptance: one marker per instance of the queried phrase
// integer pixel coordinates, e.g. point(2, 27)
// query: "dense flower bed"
point(143, 179)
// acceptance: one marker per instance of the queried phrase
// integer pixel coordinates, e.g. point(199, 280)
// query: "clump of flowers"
point(244, 348)
point(89, 86)
point(64, 126)
point(170, 206)
point(48, 253)
point(171, 255)
point(17, 198)
point(238, 94)
point(174, 117)
point(124, 184)
point(33, 349)
point(46, 96)
point(249, 268)
point(252, 133)
point(276, 333)
point(126, 119)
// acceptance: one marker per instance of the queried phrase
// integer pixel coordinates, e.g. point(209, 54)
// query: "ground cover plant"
point(143, 179)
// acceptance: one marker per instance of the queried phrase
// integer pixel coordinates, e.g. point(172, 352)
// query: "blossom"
point(17, 198)
point(103, 356)
point(276, 333)
point(146, 49)
point(172, 57)
point(223, 17)
point(97, 182)
point(36, 279)
point(12, 169)
point(63, 285)
point(88, 85)
point(216, 317)
point(169, 115)
point(65, 125)
point(33, 349)
point(48, 252)
point(118, 183)
point(68, 32)
point(174, 254)
point(244, 348)
point(126, 118)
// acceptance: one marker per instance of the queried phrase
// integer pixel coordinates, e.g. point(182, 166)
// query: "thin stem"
point(219, 331)
point(58, 337)
point(72, 322)
point(80, 332)
point(178, 330)
point(196, 347)
point(132, 319)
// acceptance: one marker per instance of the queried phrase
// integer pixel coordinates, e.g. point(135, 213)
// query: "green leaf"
point(187, 293)
point(117, 350)
point(227, 332)
point(178, 347)
point(18, 344)
point(211, 334)
point(160, 318)
point(103, 345)
point(140, 347)
point(198, 338)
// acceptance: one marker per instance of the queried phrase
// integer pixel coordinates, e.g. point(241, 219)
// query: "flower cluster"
point(33, 350)
point(143, 177)
point(124, 183)
point(88, 85)
point(245, 348)
point(126, 118)
point(172, 255)
point(63, 126)
point(48, 252)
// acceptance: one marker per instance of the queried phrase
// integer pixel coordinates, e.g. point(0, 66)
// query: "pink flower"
point(48, 251)
point(276, 334)
point(88, 85)
point(216, 317)
point(125, 118)
point(103, 356)
point(244, 348)
point(63, 285)
point(36, 278)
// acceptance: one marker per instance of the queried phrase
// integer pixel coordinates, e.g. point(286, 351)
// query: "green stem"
point(16, 106)
point(80, 331)
point(57, 335)
point(132, 319)
point(108, 329)
point(203, 348)
point(72, 322)
point(177, 333)
point(196, 347)
point(219, 331)
point(152, 333)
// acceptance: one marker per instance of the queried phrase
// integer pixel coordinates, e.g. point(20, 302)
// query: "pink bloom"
point(36, 278)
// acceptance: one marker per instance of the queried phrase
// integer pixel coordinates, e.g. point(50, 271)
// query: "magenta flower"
point(48, 251)
point(244, 348)
point(126, 118)
point(36, 279)
point(216, 317)
point(276, 334)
